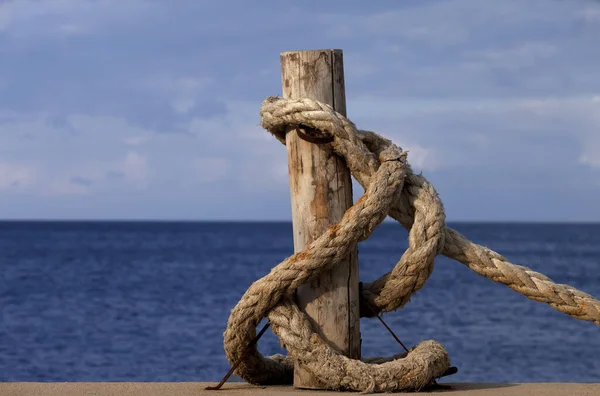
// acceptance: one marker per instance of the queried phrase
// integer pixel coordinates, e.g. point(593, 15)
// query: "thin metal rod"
point(373, 310)
point(392, 333)
point(232, 369)
point(451, 370)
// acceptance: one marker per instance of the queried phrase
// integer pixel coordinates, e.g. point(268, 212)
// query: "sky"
point(135, 109)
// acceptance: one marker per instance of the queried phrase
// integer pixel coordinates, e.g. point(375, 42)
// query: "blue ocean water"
point(144, 301)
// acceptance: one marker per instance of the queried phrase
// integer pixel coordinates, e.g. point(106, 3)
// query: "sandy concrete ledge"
point(197, 388)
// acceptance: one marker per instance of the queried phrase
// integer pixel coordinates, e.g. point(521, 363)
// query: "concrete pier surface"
point(197, 388)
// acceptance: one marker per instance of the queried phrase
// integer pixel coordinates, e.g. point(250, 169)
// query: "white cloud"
point(439, 24)
point(473, 133)
point(113, 154)
point(423, 158)
point(95, 129)
point(460, 83)
point(520, 55)
point(135, 140)
point(135, 169)
point(167, 83)
point(583, 116)
point(183, 105)
point(32, 17)
point(590, 149)
point(265, 174)
point(373, 106)
point(590, 14)
point(83, 149)
point(185, 90)
point(446, 31)
point(207, 170)
point(4, 17)
point(592, 159)
point(16, 176)
point(65, 187)
point(193, 84)
point(71, 29)
point(95, 175)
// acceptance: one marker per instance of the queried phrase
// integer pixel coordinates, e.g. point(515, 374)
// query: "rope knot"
point(390, 188)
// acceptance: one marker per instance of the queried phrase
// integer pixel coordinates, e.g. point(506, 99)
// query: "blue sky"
point(137, 109)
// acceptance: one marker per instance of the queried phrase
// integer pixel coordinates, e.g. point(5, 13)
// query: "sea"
point(149, 301)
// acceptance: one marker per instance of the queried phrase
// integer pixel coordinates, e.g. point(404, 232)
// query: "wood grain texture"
point(321, 191)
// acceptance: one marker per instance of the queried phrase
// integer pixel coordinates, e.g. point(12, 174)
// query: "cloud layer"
point(143, 109)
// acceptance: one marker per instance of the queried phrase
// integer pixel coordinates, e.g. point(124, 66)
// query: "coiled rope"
point(391, 188)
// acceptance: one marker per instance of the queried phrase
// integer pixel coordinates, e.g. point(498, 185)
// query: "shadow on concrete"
point(468, 386)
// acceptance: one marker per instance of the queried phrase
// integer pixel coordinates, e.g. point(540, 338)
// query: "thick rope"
point(271, 296)
point(277, 113)
point(391, 188)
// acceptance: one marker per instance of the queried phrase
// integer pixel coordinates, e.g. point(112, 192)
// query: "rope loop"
point(391, 188)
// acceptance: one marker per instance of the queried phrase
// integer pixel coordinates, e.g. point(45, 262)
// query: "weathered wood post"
point(321, 191)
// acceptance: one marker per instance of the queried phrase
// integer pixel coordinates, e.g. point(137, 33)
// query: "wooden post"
point(321, 191)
